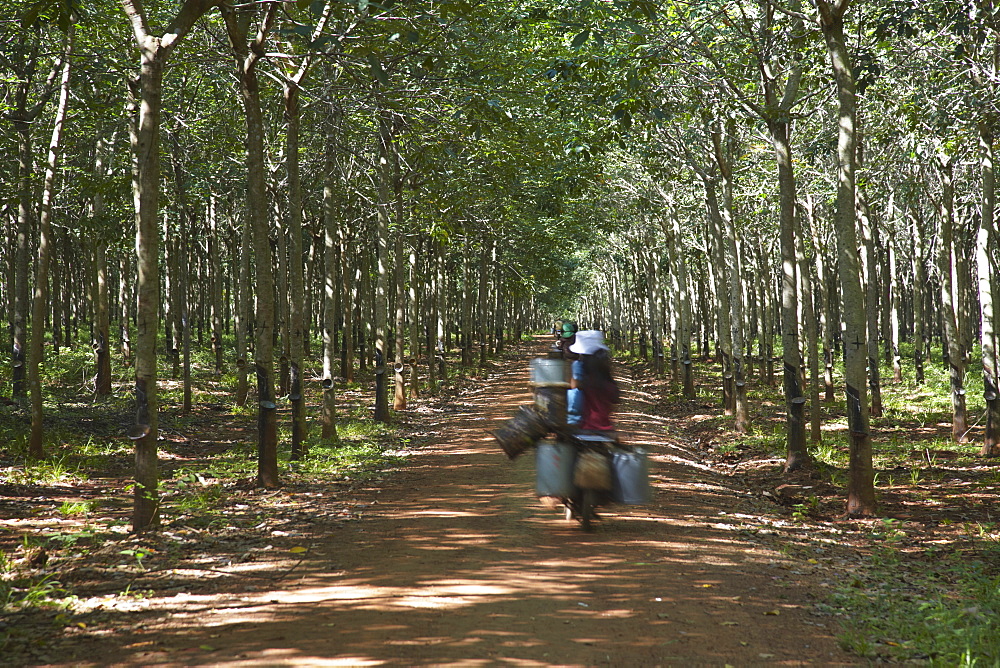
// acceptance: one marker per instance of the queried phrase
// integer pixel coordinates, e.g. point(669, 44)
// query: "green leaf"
point(580, 39)
point(30, 16)
point(377, 71)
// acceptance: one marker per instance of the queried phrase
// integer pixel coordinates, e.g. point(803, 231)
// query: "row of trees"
point(393, 178)
point(359, 188)
point(891, 237)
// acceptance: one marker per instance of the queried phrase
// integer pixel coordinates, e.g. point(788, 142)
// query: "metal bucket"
point(554, 464)
point(630, 473)
point(549, 373)
point(521, 431)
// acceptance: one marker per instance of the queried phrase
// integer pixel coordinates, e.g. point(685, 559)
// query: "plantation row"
point(815, 180)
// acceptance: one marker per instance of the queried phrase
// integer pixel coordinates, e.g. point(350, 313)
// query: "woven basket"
point(593, 471)
point(521, 431)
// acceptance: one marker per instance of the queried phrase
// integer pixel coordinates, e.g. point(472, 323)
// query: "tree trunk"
point(146, 187)
point(861, 474)
point(949, 269)
point(296, 305)
point(869, 274)
point(39, 303)
point(894, 308)
point(467, 325)
point(24, 116)
point(919, 285)
point(125, 301)
point(331, 224)
point(987, 266)
point(381, 292)
point(399, 284)
point(483, 321)
point(809, 322)
point(435, 345)
point(22, 250)
point(180, 255)
point(185, 313)
point(102, 319)
point(415, 301)
point(725, 148)
point(825, 318)
point(279, 248)
point(347, 302)
point(721, 283)
point(242, 248)
point(682, 336)
point(797, 453)
point(257, 213)
point(215, 281)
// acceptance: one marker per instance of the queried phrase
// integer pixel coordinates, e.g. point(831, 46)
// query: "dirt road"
point(455, 562)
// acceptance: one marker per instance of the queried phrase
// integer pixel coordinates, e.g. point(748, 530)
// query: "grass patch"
point(944, 611)
point(350, 460)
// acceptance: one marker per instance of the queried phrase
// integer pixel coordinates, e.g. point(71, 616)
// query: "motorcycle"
point(581, 470)
point(586, 470)
point(592, 477)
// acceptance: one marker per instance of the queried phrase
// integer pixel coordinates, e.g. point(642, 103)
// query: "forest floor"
point(450, 559)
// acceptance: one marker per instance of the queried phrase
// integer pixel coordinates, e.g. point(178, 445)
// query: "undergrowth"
point(205, 485)
point(932, 599)
point(943, 610)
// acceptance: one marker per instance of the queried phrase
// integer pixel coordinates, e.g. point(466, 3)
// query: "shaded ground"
point(453, 561)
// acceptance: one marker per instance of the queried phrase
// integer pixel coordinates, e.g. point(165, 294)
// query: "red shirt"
point(597, 405)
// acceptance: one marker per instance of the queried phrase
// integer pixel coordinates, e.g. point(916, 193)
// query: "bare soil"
point(453, 561)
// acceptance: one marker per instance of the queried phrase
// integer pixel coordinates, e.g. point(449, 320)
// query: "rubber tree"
point(179, 270)
point(919, 270)
point(948, 266)
point(249, 49)
point(102, 315)
point(779, 125)
point(154, 52)
point(724, 149)
point(861, 473)
point(986, 245)
point(23, 116)
point(331, 225)
point(291, 87)
point(708, 170)
point(870, 236)
point(386, 152)
point(984, 72)
point(808, 329)
point(39, 303)
point(680, 294)
point(779, 84)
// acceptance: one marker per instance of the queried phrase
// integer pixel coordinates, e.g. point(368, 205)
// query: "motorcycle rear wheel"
point(587, 503)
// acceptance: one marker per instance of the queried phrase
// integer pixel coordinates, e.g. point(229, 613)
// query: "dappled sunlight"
point(291, 657)
point(457, 563)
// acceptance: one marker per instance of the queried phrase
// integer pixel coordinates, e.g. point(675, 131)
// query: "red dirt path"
point(455, 563)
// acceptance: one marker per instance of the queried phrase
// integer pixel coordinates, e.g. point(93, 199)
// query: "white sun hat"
point(588, 342)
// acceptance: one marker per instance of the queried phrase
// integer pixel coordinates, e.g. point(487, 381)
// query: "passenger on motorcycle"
point(598, 386)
